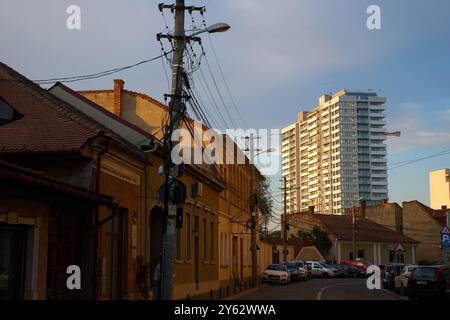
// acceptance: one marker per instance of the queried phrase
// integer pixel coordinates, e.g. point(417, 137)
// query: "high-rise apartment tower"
point(335, 154)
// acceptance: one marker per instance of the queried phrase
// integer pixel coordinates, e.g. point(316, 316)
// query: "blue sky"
point(278, 58)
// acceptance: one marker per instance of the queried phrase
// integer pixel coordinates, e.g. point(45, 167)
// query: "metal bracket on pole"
point(160, 36)
point(173, 7)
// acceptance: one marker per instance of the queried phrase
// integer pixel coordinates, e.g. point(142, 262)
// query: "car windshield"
point(299, 264)
point(291, 266)
point(425, 273)
point(277, 267)
point(324, 265)
point(410, 269)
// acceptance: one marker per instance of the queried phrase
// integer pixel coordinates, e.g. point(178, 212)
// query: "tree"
point(274, 234)
point(318, 237)
point(264, 198)
point(265, 203)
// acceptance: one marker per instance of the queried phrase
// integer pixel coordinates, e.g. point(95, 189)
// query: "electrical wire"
point(413, 161)
point(98, 74)
point(223, 76)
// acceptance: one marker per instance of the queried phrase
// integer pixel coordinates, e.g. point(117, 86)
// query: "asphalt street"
point(321, 289)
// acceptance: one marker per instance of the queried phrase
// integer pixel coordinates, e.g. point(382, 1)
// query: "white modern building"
point(336, 154)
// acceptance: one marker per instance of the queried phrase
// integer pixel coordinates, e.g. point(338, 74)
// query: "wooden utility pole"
point(254, 213)
point(169, 244)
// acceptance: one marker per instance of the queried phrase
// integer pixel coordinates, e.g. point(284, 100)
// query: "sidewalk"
point(244, 293)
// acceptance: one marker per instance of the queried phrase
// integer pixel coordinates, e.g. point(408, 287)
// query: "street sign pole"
point(445, 243)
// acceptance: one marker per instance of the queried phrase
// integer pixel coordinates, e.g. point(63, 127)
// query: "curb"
point(245, 292)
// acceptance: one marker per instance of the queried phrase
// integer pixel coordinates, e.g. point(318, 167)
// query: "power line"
point(219, 93)
point(413, 161)
point(98, 74)
point(207, 89)
point(223, 77)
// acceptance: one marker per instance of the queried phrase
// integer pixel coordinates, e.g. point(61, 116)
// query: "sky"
point(277, 58)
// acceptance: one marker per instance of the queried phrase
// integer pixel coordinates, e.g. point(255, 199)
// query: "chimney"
point(118, 89)
point(311, 209)
point(363, 208)
point(444, 208)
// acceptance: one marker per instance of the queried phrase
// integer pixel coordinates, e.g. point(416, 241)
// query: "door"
point(116, 255)
point(64, 249)
point(12, 261)
point(316, 269)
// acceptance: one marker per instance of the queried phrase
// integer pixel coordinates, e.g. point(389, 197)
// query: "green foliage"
point(318, 237)
point(265, 201)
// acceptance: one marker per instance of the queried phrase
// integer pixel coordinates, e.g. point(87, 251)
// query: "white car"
point(276, 273)
point(401, 281)
point(320, 269)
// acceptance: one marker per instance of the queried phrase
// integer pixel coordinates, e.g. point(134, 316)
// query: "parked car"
point(401, 281)
point(349, 271)
point(359, 263)
point(276, 273)
point(429, 281)
point(385, 273)
point(304, 271)
point(293, 270)
point(394, 272)
point(320, 269)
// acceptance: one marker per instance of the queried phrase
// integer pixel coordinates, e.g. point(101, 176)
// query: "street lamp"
point(214, 28)
point(394, 133)
point(268, 151)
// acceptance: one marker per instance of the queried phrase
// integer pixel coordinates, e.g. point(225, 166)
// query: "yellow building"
point(235, 219)
point(196, 265)
point(217, 234)
point(440, 188)
point(416, 221)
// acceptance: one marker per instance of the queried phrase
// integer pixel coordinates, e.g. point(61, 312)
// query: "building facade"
point(196, 257)
point(416, 221)
point(373, 242)
point(51, 137)
point(227, 213)
point(335, 154)
point(440, 188)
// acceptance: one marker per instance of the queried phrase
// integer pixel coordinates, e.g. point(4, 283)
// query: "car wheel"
point(325, 275)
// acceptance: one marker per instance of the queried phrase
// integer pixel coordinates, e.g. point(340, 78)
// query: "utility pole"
point(353, 231)
point(285, 227)
point(176, 115)
point(254, 213)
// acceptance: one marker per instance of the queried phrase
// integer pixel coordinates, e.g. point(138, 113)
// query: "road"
point(321, 289)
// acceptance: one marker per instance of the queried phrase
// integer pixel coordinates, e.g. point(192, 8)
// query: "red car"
point(360, 264)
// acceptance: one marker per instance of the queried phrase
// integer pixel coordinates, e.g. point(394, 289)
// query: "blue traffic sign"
point(445, 240)
point(445, 237)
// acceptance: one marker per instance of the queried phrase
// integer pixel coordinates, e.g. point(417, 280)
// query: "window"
point(227, 254)
point(361, 254)
point(222, 249)
point(7, 113)
point(212, 241)
point(205, 241)
point(188, 236)
point(179, 242)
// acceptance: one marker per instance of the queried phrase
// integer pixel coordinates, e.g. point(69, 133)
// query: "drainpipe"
point(97, 189)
